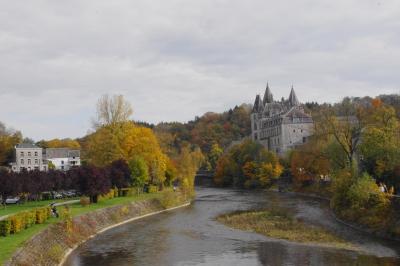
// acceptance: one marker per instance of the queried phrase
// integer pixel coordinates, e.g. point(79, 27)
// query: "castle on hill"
point(280, 125)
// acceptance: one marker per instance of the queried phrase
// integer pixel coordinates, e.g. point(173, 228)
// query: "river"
point(191, 236)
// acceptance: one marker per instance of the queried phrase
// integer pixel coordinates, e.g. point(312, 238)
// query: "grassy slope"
point(9, 244)
point(280, 225)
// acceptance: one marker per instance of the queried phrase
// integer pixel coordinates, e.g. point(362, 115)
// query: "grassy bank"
point(277, 223)
point(11, 243)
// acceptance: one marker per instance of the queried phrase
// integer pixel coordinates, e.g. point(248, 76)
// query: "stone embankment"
point(55, 243)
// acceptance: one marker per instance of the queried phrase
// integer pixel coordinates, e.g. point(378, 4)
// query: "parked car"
point(13, 200)
point(57, 195)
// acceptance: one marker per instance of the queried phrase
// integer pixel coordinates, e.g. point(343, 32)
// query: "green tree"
point(139, 171)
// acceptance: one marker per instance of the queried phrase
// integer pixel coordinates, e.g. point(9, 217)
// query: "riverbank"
point(279, 224)
point(383, 233)
point(53, 243)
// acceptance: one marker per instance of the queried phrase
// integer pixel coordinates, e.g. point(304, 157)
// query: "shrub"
point(168, 199)
point(85, 201)
point(17, 223)
point(67, 218)
point(5, 227)
point(152, 189)
point(108, 195)
point(42, 214)
point(360, 200)
point(29, 218)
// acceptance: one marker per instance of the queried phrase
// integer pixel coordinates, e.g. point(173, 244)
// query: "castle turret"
point(293, 101)
point(268, 97)
point(258, 105)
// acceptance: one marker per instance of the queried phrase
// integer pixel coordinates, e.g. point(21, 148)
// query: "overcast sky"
point(174, 59)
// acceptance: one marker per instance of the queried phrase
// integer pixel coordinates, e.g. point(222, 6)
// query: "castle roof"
point(293, 101)
point(268, 97)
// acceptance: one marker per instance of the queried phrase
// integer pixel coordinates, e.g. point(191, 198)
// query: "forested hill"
point(207, 130)
point(389, 99)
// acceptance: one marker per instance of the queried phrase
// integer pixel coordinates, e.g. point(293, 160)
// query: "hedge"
point(23, 220)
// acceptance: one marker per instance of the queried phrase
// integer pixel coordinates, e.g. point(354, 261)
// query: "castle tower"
point(293, 101)
point(268, 97)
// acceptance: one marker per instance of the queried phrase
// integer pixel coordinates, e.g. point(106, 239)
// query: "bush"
point(152, 189)
point(107, 196)
point(5, 227)
point(29, 218)
point(42, 214)
point(360, 200)
point(17, 223)
point(169, 199)
point(85, 201)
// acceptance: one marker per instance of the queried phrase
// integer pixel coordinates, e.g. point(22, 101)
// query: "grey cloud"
point(177, 59)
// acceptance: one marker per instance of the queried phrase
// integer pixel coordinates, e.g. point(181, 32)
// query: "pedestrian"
point(54, 210)
point(381, 187)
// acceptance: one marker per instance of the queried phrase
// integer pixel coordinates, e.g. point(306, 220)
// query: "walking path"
point(56, 204)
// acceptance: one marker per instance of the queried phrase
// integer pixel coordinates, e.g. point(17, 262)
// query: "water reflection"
point(191, 236)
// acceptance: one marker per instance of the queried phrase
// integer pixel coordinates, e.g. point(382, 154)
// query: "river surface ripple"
point(191, 236)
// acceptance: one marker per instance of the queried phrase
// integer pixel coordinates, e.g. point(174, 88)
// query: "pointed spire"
point(293, 98)
point(268, 97)
point(258, 105)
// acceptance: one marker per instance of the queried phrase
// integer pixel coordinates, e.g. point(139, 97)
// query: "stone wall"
point(51, 245)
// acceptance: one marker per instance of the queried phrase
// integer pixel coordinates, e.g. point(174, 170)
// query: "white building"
point(28, 157)
point(280, 125)
point(63, 158)
point(31, 157)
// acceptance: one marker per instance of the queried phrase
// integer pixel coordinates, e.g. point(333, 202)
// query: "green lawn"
point(9, 244)
point(14, 208)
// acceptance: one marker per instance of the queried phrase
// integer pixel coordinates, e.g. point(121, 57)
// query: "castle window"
point(29, 161)
point(36, 161)
point(36, 154)
point(29, 153)
point(22, 154)
point(22, 161)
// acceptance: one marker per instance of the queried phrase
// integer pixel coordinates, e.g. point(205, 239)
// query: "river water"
point(191, 236)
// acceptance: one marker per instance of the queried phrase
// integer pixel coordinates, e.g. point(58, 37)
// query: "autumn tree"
point(120, 174)
point(112, 110)
point(248, 164)
point(92, 181)
point(59, 143)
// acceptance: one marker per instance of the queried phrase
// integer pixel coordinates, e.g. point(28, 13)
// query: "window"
point(36, 161)
point(22, 154)
point(36, 154)
point(301, 131)
point(304, 139)
point(294, 130)
point(22, 161)
point(29, 161)
point(62, 162)
point(36, 167)
point(29, 153)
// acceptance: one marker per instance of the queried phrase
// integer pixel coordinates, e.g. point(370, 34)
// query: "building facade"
point(28, 157)
point(31, 157)
point(63, 158)
point(280, 125)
